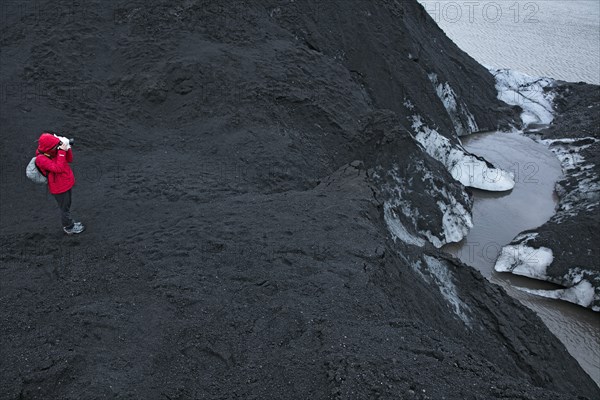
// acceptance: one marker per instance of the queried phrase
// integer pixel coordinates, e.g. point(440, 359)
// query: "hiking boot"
point(75, 229)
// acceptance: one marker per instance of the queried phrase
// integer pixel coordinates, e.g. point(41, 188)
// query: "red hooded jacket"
point(55, 164)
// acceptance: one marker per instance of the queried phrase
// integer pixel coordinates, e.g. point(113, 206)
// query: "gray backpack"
point(34, 173)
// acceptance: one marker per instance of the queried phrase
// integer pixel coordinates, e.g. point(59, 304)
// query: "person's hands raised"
point(64, 144)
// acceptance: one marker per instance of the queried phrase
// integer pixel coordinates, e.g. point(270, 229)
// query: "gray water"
point(499, 217)
point(552, 38)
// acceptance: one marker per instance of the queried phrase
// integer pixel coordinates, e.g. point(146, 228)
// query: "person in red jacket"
point(53, 157)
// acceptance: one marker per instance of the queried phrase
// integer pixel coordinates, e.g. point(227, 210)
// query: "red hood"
point(47, 143)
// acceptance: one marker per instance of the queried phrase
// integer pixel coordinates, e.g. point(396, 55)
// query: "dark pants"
point(64, 203)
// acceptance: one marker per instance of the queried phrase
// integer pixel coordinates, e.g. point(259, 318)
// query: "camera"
point(62, 138)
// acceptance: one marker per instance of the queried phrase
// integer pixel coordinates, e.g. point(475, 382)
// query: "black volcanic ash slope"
point(227, 162)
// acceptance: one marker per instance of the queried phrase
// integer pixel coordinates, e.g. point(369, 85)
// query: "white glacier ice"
point(443, 278)
point(464, 167)
point(524, 260)
point(567, 150)
point(516, 88)
point(397, 229)
point(417, 267)
point(582, 293)
point(455, 109)
point(525, 237)
point(456, 220)
point(585, 195)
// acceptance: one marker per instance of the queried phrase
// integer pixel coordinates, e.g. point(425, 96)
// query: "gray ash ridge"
point(233, 168)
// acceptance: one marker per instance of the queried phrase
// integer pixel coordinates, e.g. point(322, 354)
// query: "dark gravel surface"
point(225, 160)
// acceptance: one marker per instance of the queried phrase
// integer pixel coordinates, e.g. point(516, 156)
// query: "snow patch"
point(443, 278)
point(464, 167)
point(524, 260)
point(516, 88)
point(455, 110)
point(408, 104)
